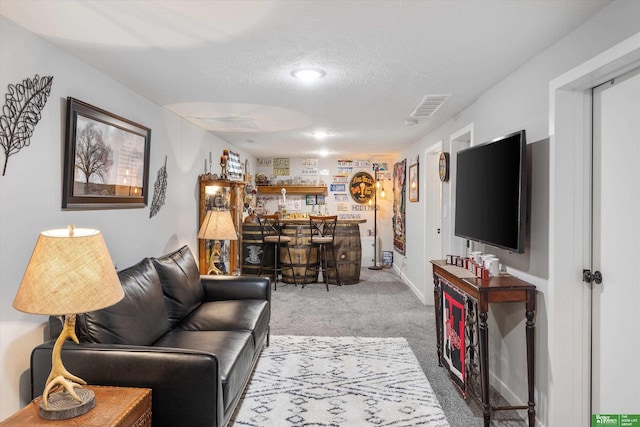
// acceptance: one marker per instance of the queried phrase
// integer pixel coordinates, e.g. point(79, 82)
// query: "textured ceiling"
point(226, 65)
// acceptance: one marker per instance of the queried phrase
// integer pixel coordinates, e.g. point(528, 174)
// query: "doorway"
point(567, 370)
point(432, 214)
point(615, 246)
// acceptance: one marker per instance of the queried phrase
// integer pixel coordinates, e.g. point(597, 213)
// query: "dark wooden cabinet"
point(226, 195)
point(477, 295)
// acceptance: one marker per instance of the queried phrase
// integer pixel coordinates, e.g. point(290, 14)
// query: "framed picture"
point(414, 182)
point(106, 160)
point(234, 165)
point(311, 199)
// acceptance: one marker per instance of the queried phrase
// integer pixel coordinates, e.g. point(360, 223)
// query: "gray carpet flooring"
point(380, 305)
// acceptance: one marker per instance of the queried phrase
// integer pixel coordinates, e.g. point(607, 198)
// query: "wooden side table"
point(115, 407)
point(484, 292)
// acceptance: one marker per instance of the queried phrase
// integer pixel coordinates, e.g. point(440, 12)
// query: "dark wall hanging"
point(21, 113)
point(159, 190)
point(106, 160)
point(399, 208)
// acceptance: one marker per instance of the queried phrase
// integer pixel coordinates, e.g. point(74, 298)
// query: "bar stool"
point(270, 231)
point(323, 230)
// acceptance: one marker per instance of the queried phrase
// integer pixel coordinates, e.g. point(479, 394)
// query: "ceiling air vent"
point(428, 106)
point(228, 123)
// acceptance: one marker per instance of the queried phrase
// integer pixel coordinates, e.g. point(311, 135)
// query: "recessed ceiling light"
point(320, 134)
point(323, 153)
point(308, 74)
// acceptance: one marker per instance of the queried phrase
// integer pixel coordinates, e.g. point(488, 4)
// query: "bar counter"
point(347, 245)
point(305, 221)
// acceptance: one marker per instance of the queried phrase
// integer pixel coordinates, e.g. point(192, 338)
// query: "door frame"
point(569, 310)
point(431, 195)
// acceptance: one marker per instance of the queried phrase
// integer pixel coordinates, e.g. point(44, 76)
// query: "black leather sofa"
point(194, 340)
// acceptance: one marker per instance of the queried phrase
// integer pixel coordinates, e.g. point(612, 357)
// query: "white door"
point(616, 246)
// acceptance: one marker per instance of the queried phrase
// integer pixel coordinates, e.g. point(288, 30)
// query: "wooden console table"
point(481, 293)
point(115, 407)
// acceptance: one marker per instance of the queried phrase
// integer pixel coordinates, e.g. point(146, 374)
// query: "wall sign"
point(362, 187)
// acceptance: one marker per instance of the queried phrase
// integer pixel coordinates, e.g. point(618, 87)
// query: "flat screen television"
point(491, 192)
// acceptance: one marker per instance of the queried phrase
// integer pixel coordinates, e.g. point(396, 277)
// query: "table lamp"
point(217, 225)
point(70, 272)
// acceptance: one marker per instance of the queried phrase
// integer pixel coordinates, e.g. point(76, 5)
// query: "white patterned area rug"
point(336, 382)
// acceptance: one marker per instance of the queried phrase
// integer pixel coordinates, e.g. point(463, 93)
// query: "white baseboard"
point(410, 284)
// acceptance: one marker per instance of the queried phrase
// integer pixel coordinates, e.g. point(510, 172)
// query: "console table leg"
point(530, 329)
point(437, 304)
point(484, 366)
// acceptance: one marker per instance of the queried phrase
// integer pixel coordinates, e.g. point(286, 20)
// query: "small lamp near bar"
point(70, 272)
point(217, 225)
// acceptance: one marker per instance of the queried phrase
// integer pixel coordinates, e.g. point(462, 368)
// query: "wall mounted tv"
point(491, 192)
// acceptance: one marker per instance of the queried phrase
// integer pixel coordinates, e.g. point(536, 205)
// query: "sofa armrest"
point(185, 383)
point(219, 288)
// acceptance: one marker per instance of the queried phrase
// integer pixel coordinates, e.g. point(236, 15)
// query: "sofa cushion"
point(180, 279)
point(234, 350)
point(231, 315)
point(140, 318)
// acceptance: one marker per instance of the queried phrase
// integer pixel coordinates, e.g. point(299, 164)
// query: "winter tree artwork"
point(106, 160)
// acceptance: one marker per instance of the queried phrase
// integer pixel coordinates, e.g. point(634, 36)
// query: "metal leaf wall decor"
point(159, 190)
point(21, 114)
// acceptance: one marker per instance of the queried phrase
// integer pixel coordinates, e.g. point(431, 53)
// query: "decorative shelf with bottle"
point(292, 189)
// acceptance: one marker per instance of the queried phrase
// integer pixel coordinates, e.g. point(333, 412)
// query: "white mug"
point(487, 256)
point(476, 256)
point(493, 265)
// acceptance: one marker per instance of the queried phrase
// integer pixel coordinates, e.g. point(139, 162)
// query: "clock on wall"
point(443, 167)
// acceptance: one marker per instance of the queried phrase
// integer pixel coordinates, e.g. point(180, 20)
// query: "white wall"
point(521, 101)
point(30, 192)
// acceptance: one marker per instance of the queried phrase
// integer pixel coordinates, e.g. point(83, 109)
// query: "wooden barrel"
point(252, 250)
point(299, 248)
point(348, 253)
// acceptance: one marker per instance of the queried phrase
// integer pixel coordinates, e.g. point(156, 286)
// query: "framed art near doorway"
point(414, 182)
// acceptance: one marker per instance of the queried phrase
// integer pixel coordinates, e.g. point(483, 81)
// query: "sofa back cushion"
point(140, 318)
point(180, 279)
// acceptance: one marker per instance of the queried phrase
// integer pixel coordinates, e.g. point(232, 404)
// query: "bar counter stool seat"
point(323, 230)
point(271, 235)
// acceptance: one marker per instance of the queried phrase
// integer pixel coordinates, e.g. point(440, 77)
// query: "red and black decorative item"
point(453, 327)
